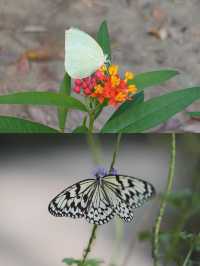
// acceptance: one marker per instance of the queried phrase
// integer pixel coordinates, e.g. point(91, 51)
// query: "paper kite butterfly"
point(99, 199)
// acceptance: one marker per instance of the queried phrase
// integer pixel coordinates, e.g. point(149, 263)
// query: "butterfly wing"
point(98, 202)
point(127, 193)
point(83, 55)
point(74, 200)
point(100, 210)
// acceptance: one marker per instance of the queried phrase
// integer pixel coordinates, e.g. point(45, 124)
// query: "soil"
point(145, 35)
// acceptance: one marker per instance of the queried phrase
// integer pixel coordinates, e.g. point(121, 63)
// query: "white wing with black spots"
point(100, 210)
point(127, 193)
point(131, 190)
point(124, 212)
point(73, 201)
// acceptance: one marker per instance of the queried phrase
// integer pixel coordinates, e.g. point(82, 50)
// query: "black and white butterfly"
point(99, 199)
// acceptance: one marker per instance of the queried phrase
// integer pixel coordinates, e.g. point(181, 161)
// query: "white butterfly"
point(83, 55)
point(98, 200)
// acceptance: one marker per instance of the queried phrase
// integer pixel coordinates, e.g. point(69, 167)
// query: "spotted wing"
point(74, 200)
point(127, 193)
point(100, 210)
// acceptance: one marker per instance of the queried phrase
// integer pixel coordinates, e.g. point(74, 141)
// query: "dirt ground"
point(145, 34)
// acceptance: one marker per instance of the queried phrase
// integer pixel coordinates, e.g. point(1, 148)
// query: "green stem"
point(116, 149)
point(156, 243)
point(91, 122)
point(89, 245)
point(118, 225)
point(94, 151)
point(94, 145)
point(186, 261)
point(96, 156)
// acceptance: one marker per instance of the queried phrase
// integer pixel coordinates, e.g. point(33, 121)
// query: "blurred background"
point(145, 35)
point(34, 169)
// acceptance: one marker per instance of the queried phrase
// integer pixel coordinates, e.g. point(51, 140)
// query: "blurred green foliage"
point(180, 245)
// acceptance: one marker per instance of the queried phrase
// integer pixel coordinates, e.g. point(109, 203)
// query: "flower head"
point(106, 84)
point(100, 171)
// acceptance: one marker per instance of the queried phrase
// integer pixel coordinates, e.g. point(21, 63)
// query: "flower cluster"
point(106, 84)
point(100, 171)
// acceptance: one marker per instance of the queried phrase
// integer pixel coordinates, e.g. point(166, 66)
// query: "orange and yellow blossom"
point(106, 84)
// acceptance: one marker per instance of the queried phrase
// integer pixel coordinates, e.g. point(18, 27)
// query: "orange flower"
point(129, 75)
point(106, 84)
point(113, 70)
point(132, 89)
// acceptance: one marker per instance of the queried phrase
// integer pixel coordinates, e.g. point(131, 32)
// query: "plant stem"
point(118, 225)
point(156, 243)
point(186, 261)
point(94, 151)
point(88, 248)
point(95, 148)
point(116, 149)
point(91, 122)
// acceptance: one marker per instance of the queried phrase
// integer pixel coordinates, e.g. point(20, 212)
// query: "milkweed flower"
point(100, 171)
point(107, 85)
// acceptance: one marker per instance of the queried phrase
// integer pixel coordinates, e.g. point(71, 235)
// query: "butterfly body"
point(100, 199)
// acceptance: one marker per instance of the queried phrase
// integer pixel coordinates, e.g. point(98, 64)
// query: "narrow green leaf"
point(18, 125)
point(153, 78)
point(80, 129)
point(71, 261)
point(89, 262)
point(152, 112)
point(104, 40)
point(194, 114)
point(138, 98)
point(65, 87)
point(43, 98)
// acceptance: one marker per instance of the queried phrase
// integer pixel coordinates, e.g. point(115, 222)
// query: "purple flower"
point(113, 171)
point(100, 171)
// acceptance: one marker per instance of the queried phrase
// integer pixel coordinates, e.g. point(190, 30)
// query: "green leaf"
point(104, 40)
point(90, 262)
point(18, 125)
point(71, 261)
point(194, 114)
point(81, 129)
point(43, 98)
point(152, 112)
point(153, 78)
point(138, 98)
point(65, 87)
point(100, 108)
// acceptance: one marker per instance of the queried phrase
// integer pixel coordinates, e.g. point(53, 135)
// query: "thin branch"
point(119, 225)
point(90, 242)
point(156, 243)
point(186, 261)
point(95, 154)
point(116, 149)
point(94, 144)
